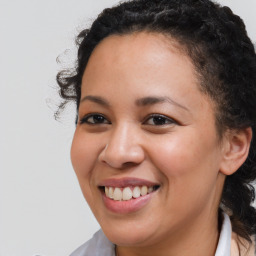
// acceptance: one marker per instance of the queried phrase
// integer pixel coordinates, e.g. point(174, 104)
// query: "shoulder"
point(98, 245)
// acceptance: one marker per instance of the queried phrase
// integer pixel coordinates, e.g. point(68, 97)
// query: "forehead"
point(142, 55)
point(147, 44)
point(142, 64)
point(145, 41)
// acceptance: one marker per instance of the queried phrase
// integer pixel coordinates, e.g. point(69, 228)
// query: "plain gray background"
point(42, 211)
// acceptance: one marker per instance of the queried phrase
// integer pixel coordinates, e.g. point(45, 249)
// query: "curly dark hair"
point(224, 57)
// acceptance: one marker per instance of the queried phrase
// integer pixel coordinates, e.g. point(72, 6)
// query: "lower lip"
point(129, 206)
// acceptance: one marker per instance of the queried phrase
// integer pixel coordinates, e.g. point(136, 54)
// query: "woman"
point(164, 148)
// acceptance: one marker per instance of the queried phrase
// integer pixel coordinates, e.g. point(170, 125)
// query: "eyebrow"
point(151, 100)
point(141, 102)
point(96, 99)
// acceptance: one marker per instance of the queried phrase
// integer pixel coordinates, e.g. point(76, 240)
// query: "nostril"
point(129, 165)
point(121, 166)
point(120, 160)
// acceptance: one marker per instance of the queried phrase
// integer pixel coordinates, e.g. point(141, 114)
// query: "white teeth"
point(106, 191)
point(150, 189)
point(144, 190)
point(136, 192)
point(111, 192)
point(127, 194)
point(118, 195)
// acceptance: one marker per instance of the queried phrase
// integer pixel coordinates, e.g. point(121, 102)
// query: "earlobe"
point(236, 147)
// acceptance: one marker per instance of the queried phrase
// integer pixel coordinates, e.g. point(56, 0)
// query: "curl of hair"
point(225, 60)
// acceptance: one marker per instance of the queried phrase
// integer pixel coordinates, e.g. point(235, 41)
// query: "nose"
point(123, 148)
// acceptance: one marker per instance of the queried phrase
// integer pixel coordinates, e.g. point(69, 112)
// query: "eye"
point(94, 119)
point(157, 119)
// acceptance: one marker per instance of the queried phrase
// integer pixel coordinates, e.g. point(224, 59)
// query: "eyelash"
point(93, 115)
point(164, 120)
point(160, 118)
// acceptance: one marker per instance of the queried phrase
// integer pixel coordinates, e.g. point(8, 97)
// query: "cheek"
point(186, 155)
point(83, 157)
point(190, 169)
point(83, 154)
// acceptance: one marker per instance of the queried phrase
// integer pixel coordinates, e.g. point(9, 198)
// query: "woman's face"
point(143, 122)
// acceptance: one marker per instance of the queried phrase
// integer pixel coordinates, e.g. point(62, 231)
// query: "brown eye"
point(159, 120)
point(94, 119)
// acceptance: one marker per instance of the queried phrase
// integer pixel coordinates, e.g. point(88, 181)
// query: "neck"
point(199, 238)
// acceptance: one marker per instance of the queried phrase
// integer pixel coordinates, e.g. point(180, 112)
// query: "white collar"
point(223, 248)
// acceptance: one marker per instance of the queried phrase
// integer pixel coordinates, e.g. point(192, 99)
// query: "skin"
point(185, 156)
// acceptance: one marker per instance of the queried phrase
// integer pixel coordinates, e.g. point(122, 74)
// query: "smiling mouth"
point(127, 193)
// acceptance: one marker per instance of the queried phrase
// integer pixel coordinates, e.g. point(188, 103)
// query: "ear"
point(236, 145)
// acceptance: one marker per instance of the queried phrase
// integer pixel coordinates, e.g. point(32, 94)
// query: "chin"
point(128, 235)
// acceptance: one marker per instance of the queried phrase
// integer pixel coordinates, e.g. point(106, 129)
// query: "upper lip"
point(126, 182)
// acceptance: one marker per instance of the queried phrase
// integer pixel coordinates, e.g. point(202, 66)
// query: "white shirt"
point(99, 245)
